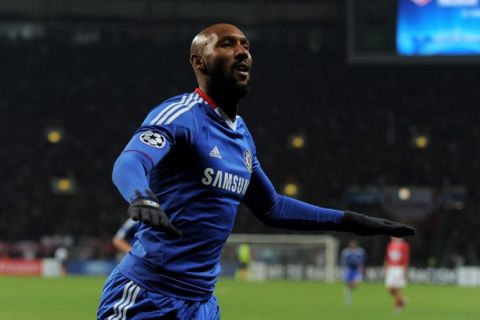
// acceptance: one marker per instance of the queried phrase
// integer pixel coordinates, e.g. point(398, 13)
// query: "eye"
point(226, 44)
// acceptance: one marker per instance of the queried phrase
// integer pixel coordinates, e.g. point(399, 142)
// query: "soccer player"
point(244, 255)
point(353, 260)
point(396, 264)
point(123, 238)
point(184, 173)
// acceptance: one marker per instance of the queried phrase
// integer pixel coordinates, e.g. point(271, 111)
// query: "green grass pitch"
point(76, 298)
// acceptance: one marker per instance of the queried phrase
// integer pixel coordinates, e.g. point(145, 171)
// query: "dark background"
point(93, 70)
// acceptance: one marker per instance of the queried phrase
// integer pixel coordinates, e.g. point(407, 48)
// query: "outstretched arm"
point(130, 175)
point(276, 210)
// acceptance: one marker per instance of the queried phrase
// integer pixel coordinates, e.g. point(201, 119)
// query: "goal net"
point(292, 257)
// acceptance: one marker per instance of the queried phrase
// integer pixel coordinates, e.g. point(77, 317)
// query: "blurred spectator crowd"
point(95, 82)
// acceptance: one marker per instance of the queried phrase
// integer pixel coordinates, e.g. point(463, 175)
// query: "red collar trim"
point(206, 98)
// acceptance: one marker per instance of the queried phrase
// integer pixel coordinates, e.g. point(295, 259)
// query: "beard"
point(238, 91)
point(223, 79)
point(228, 86)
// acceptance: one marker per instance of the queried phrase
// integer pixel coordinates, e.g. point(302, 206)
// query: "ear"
point(197, 62)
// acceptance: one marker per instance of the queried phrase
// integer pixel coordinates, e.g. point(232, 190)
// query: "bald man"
point(184, 173)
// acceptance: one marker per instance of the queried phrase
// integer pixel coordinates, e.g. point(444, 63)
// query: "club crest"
point(247, 159)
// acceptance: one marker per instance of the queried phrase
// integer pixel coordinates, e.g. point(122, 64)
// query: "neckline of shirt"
point(231, 124)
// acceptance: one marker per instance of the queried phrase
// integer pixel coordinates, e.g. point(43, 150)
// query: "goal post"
point(284, 256)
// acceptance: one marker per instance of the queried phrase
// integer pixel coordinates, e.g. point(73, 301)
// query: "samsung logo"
point(225, 180)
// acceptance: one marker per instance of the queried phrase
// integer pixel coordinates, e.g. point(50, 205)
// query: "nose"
point(241, 52)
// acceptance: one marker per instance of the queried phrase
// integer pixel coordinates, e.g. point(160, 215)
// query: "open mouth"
point(241, 68)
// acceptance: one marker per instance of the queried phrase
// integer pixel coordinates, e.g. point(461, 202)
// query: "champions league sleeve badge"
point(153, 139)
point(247, 159)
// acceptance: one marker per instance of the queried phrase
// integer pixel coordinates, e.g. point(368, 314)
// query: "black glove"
point(363, 225)
point(147, 210)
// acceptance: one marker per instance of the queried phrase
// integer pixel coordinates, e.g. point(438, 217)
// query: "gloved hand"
point(363, 225)
point(147, 210)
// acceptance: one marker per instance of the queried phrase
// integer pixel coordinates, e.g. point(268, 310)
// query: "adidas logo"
point(215, 153)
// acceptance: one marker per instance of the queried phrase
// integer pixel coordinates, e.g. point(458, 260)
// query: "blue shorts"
point(122, 299)
point(352, 275)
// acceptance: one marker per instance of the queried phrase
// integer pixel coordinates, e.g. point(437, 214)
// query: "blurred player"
point(61, 255)
point(122, 240)
point(244, 255)
point(353, 260)
point(184, 173)
point(396, 264)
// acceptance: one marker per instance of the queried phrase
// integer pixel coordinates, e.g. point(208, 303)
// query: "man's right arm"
point(130, 174)
point(144, 151)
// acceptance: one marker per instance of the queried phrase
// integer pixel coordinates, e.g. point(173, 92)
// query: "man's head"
point(353, 244)
point(221, 59)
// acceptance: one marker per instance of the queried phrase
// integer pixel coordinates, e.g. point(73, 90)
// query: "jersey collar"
point(206, 98)
point(219, 111)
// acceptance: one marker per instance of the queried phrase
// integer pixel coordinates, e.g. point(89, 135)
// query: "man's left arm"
point(280, 211)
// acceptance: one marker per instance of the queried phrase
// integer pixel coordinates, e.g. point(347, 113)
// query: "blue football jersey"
point(353, 258)
point(201, 165)
point(204, 172)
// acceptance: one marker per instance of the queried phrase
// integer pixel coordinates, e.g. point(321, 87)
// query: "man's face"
point(227, 58)
point(353, 244)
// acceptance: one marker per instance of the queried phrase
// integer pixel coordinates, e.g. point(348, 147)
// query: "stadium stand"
point(95, 81)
